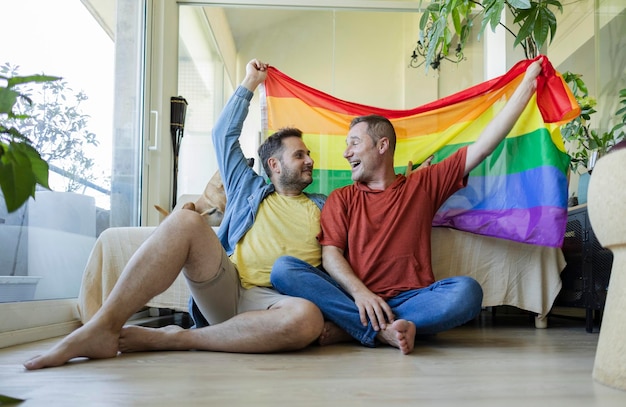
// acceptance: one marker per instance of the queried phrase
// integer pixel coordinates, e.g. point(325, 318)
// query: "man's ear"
point(383, 145)
point(274, 164)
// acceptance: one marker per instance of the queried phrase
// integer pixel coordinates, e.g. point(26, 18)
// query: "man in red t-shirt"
point(377, 283)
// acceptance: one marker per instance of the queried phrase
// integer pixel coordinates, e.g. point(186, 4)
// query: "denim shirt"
point(244, 188)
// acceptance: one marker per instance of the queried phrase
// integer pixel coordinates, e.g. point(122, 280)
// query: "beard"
point(294, 179)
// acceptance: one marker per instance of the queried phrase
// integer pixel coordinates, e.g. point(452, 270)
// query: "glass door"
point(87, 126)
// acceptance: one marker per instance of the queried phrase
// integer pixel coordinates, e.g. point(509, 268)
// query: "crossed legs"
point(294, 277)
point(443, 305)
point(182, 242)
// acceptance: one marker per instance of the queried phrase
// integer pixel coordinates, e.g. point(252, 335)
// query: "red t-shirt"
point(385, 235)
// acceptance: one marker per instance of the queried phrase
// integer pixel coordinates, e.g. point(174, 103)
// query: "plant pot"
point(583, 185)
point(18, 288)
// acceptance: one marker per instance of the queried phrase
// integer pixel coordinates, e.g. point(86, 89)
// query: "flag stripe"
point(325, 120)
point(505, 192)
point(327, 152)
point(526, 225)
point(482, 192)
point(556, 103)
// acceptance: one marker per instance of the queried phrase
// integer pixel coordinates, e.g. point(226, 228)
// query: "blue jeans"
point(441, 306)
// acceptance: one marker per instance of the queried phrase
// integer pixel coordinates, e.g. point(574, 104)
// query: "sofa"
point(514, 274)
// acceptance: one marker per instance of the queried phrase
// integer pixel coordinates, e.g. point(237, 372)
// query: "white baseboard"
point(30, 321)
point(21, 336)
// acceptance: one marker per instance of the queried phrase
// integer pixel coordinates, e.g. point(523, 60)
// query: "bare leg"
point(400, 334)
point(332, 334)
point(291, 324)
point(182, 240)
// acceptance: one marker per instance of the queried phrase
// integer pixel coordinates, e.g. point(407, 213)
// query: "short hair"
point(377, 128)
point(273, 146)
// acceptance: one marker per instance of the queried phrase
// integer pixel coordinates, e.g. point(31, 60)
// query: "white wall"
point(362, 57)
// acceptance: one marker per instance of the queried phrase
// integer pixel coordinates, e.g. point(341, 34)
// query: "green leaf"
point(21, 169)
point(456, 21)
point(7, 400)
point(525, 31)
point(8, 98)
point(547, 23)
point(522, 15)
point(541, 29)
point(555, 3)
point(18, 80)
point(424, 20)
point(521, 4)
point(434, 7)
point(495, 15)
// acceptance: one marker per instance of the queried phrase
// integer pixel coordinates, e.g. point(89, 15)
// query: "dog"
point(212, 203)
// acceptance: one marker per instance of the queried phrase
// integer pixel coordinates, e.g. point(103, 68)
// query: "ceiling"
point(244, 21)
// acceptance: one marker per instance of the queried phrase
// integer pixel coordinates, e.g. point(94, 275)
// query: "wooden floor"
point(499, 362)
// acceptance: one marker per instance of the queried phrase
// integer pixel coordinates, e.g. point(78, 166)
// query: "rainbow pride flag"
point(518, 193)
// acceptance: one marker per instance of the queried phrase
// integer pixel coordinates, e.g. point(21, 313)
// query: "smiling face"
point(294, 167)
point(363, 153)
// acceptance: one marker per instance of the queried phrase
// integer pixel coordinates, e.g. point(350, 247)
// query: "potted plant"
point(585, 145)
point(21, 170)
point(48, 133)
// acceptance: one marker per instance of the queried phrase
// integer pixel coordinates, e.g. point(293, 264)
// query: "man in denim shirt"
point(233, 304)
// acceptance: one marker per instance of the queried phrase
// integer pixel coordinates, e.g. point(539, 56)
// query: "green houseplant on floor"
point(21, 170)
point(39, 134)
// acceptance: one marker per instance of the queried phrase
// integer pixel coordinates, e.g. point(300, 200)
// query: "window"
point(96, 124)
point(200, 82)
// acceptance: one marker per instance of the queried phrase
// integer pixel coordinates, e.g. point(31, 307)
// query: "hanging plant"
point(446, 25)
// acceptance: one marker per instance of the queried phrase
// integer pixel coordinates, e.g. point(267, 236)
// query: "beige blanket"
point(516, 274)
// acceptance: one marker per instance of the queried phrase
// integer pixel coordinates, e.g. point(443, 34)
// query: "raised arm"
point(228, 127)
point(504, 121)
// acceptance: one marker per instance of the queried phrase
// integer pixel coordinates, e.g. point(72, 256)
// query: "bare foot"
point(333, 334)
point(139, 339)
point(88, 341)
point(400, 334)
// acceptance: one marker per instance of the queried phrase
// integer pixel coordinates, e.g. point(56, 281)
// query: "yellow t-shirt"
point(284, 225)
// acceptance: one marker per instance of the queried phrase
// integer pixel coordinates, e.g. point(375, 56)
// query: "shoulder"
point(457, 158)
point(341, 194)
point(315, 196)
point(318, 199)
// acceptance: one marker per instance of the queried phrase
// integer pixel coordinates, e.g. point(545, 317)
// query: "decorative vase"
point(607, 209)
point(583, 186)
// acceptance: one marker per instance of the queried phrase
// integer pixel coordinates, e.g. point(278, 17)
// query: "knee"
point(187, 220)
point(282, 270)
point(472, 287)
point(304, 325)
point(471, 292)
